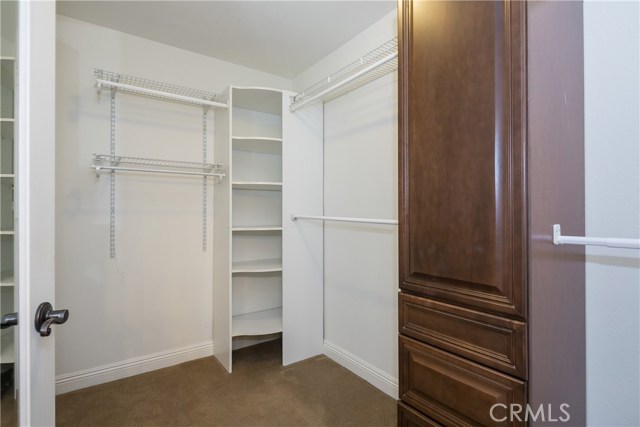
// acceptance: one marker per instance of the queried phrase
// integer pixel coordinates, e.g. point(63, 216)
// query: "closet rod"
point(126, 169)
point(360, 73)
point(156, 93)
point(611, 242)
point(295, 217)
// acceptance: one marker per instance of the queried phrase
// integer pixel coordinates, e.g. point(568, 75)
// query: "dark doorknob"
point(47, 316)
point(10, 319)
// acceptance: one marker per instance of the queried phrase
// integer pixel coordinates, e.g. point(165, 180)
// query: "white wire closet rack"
point(205, 100)
point(295, 217)
point(105, 162)
point(611, 242)
point(373, 65)
point(154, 89)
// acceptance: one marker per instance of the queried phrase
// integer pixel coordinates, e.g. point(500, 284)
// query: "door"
point(28, 34)
point(463, 235)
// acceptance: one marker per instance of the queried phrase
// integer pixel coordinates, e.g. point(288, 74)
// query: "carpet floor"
point(260, 392)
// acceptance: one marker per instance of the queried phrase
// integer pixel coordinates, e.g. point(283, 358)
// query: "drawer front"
point(490, 340)
point(453, 391)
point(409, 417)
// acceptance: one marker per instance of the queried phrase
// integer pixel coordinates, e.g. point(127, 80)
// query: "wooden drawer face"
point(452, 390)
point(491, 340)
point(409, 417)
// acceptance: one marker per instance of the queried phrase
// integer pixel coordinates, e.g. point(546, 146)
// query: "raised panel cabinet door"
point(462, 153)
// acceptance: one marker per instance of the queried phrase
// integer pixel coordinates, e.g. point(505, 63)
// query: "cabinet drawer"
point(453, 391)
point(491, 340)
point(409, 417)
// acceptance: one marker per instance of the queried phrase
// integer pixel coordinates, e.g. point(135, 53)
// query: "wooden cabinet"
point(491, 155)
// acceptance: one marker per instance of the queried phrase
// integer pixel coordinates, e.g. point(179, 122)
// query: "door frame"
point(35, 203)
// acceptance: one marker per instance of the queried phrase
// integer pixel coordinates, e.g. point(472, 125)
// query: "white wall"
point(156, 295)
point(360, 180)
point(612, 145)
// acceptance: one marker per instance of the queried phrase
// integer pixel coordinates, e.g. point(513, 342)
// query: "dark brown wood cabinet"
point(491, 156)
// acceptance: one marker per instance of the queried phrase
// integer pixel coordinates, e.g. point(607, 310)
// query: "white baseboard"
point(379, 379)
point(139, 365)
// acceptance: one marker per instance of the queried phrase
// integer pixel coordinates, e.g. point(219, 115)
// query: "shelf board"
point(8, 352)
point(7, 120)
point(258, 99)
point(257, 266)
point(7, 232)
point(258, 323)
point(258, 144)
point(7, 175)
point(7, 279)
point(257, 185)
point(257, 228)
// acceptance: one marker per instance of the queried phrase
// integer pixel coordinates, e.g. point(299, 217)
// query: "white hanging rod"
point(612, 242)
point(165, 171)
point(164, 91)
point(175, 167)
point(295, 217)
point(374, 64)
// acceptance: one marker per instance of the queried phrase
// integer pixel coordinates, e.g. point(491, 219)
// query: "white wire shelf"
point(105, 162)
point(159, 90)
point(372, 66)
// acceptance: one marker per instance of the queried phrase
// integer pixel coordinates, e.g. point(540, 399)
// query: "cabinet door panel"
point(462, 221)
point(491, 340)
point(454, 391)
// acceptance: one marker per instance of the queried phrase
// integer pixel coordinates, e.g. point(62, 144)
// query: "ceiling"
point(278, 37)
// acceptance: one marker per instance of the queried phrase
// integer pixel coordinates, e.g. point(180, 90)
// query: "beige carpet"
point(260, 392)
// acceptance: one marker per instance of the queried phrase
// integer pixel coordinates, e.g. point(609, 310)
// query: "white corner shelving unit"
point(249, 290)
point(256, 203)
point(262, 281)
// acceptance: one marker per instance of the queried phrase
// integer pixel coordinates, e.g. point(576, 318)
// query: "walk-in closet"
point(318, 213)
point(225, 189)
